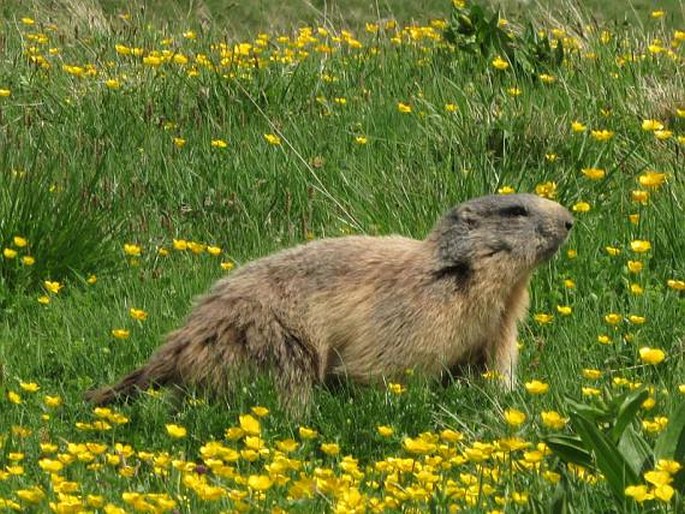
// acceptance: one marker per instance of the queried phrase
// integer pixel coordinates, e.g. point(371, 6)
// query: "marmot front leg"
point(503, 357)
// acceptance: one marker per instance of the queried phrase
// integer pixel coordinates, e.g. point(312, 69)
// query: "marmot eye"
point(514, 211)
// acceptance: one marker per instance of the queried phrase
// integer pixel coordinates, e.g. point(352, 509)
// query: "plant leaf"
point(671, 444)
point(570, 449)
point(627, 412)
point(609, 460)
point(635, 450)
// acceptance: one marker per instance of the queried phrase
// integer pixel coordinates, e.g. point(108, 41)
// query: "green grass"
point(87, 168)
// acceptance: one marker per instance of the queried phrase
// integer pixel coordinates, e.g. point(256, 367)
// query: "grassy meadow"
point(141, 160)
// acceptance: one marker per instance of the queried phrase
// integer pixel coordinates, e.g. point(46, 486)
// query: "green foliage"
point(606, 438)
point(476, 29)
point(57, 212)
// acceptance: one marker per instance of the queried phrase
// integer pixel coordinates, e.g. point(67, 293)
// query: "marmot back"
point(365, 307)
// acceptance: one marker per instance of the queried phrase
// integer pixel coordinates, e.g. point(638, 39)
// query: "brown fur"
point(367, 308)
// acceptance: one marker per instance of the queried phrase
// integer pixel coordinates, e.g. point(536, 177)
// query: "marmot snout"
point(367, 308)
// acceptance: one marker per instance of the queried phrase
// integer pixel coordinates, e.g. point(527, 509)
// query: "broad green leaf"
point(589, 411)
point(635, 450)
point(627, 412)
point(570, 449)
point(609, 460)
point(671, 444)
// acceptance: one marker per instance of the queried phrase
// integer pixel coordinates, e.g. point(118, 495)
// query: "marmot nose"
point(569, 225)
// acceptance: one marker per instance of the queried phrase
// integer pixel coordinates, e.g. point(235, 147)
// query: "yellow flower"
point(651, 355)
point(176, 431)
point(386, 431)
point(571, 253)
point(27, 260)
point(577, 126)
point(307, 433)
point(52, 401)
point(52, 287)
point(514, 418)
point(330, 448)
point(132, 250)
point(551, 157)
point(669, 466)
point(19, 241)
point(29, 387)
point(640, 246)
point(219, 143)
point(536, 387)
point(287, 445)
point(227, 266)
point(543, 318)
point(396, 388)
point(657, 14)
point(250, 424)
point(676, 285)
point(499, 64)
point(213, 250)
point(635, 266)
point(636, 289)
point(639, 493)
point(14, 397)
point(612, 250)
point(652, 179)
point(138, 314)
point(51, 466)
point(553, 420)
point(9, 253)
point(612, 318)
point(4, 93)
point(259, 482)
point(601, 135)
point(581, 207)
point(33, 495)
point(361, 140)
point(662, 135)
point(592, 374)
point(451, 436)
point(190, 34)
point(272, 139)
point(403, 107)
point(514, 91)
point(569, 284)
point(594, 173)
point(112, 84)
point(546, 190)
point(27, 21)
point(180, 244)
point(634, 218)
point(656, 425)
point(419, 445)
point(506, 190)
point(590, 391)
point(636, 320)
point(451, 107)
point(120, 333)
point(564, 310)
point(652, 125)
point(92, 279)
point(664, 493)
point(179, 142)
point(44, 299)
point(546, 78)
point(639, 196)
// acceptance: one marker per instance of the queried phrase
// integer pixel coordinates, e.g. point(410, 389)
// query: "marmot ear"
point(453, 241)
point(466, 216)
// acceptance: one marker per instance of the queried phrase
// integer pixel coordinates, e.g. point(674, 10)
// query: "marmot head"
point(510, 234)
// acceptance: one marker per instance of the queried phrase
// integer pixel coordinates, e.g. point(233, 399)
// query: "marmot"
point(365, 307)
